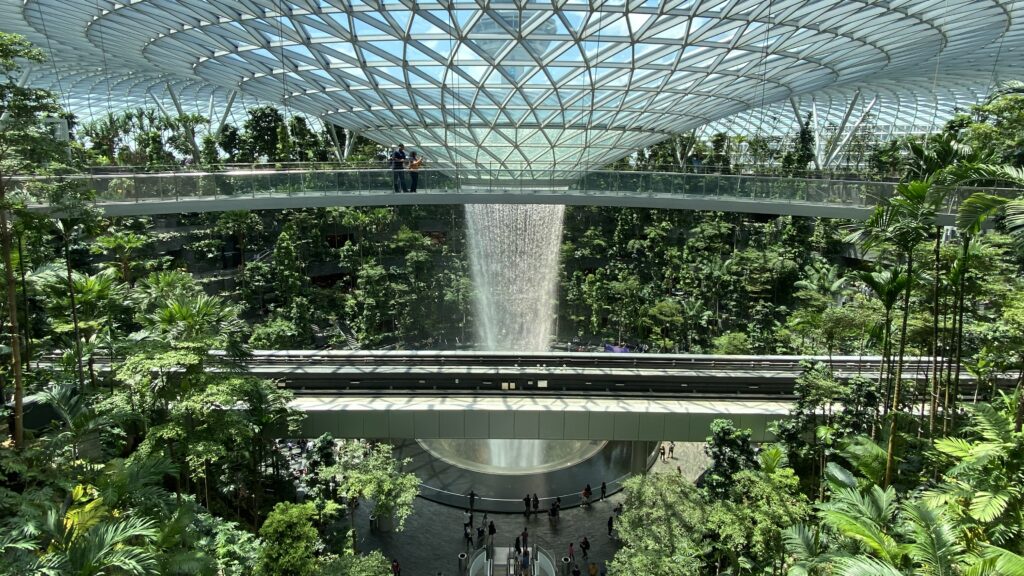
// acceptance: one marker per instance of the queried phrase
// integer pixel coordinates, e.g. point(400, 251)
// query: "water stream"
point(514, 263)
point(514, 260)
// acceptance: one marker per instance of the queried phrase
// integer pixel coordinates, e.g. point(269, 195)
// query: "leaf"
point(864, 566)
point(977, 208)
point(839, 475)
point(986, 506)
point(955, 447)
point(935, 548)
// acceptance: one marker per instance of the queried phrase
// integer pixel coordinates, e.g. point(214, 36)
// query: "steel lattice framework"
point(527, 85)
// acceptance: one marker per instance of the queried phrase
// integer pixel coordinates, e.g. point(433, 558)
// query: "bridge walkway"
point(137, 194)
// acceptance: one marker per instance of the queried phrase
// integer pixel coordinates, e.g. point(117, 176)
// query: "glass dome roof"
point(567, 85)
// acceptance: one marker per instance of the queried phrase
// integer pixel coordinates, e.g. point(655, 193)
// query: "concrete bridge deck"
point(531, 417)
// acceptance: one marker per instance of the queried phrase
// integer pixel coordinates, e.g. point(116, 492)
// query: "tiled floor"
point(433, 538)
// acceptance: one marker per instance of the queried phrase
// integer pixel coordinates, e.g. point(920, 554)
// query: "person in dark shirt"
point(397, 160)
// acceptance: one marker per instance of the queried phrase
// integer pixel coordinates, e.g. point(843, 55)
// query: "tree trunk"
point(957, 358)
point(883, 380)
point(24, 302)
point(74, 308)
point(12, 312)
point(1018, 422)
point(890, 457)
point(936, 284)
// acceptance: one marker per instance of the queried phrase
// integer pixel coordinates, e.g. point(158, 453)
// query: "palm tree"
point(903, 223)
point(824, 279)
point(76, 414)
point(108, 546)
point(886, 285)
point(877, 537)
point(199, 324)
point(984, 487)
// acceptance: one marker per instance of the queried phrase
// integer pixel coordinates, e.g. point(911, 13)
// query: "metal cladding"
point(513, 85)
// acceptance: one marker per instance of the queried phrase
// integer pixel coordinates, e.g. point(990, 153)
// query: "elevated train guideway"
point(140, 194)
point(552, 396)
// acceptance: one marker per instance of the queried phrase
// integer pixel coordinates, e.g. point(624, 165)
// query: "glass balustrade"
point(241, 184)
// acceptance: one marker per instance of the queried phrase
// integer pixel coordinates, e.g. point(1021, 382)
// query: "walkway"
point(168, 193)
point(432, 538)
point(517, 416)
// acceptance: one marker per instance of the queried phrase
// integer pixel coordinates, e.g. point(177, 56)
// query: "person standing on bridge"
point(397, 161)
point(414, 170)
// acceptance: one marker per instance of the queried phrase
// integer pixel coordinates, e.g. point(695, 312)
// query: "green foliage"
point(730, 452)
point(259, 141)
point(372, 564)
point(291, 541)
point(372, 472)
point(796, 160)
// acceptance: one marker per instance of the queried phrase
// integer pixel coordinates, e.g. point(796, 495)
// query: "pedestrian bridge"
point(140, 194)
point(544, 395)
point(531, 417)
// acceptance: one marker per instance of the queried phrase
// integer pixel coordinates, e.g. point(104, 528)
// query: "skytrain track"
point(334, 372)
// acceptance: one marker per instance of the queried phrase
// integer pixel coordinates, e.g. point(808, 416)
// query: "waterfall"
point(514, 250)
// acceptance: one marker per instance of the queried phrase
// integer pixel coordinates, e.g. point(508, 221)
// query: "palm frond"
point(864, 566)
point(987, 506)
point(935, 548)
point(976, 209)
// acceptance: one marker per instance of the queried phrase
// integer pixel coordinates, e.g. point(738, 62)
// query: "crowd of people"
point(482, 534)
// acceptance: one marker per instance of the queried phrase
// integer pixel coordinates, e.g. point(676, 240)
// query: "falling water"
point(514, 264)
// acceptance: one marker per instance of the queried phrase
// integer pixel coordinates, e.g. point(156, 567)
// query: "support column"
point(849, 136)
point(817, 134)
point(834, 145)
point(350, 139)
point(639, 451)
point(332, 133)
point(227, 110)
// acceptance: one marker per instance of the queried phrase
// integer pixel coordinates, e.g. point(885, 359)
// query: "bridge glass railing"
point(180, 186)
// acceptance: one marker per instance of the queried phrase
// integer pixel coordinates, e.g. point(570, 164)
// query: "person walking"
point(414, 170)
point(526, 539)
point(526, 505)
point(572, 552)
point(467, 533)
point(611, 524)
point(671, 450)
point(519, 546)
point(491, 531)
point(587, 493)
point(526, 562)
point(604, 490)
point(472, 500)
point(592, 570)
point(576, 570)
point(397, 161)
point(396, 568)
point(585, 547)
point(468, 517)
point(661, 453)
point(536, 504)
